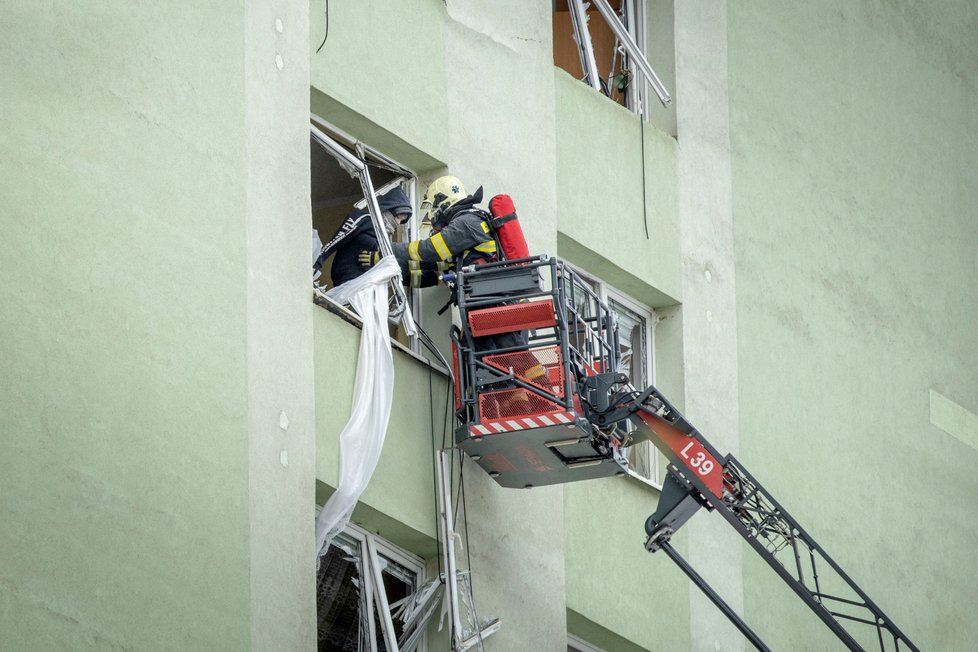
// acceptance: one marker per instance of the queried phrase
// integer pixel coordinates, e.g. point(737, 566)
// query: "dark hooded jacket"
point(356, 234)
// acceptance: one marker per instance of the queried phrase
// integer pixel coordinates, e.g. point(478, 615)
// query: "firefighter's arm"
point(417, 274)
point(459, 235)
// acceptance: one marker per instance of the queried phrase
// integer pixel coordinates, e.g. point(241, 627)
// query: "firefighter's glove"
point(448, 278)
point(368, 258)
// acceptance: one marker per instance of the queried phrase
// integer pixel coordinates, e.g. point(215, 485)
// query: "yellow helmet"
point(442, 193)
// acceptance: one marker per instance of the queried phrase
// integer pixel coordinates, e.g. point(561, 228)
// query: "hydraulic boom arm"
point(699, 476)
point(540, 400)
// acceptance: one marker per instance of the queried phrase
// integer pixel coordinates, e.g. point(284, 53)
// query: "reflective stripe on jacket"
point(465, 238)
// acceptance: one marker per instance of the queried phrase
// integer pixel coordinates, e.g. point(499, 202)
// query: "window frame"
point(632, 39)
point(371, 548)
point(638, 28)
point(368, 156)
point(608, 292)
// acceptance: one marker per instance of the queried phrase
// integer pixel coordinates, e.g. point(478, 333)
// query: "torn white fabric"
point(362, 439)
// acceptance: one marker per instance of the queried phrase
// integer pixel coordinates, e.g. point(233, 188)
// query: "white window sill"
point(642, 479)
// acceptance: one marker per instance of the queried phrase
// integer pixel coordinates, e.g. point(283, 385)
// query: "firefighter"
point(357, 233)
point(460, 236)
point(460, 233)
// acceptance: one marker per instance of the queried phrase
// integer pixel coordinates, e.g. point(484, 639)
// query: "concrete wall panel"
point(853, 128)
point(384, 63)
point(123, 405)
point(605, 205)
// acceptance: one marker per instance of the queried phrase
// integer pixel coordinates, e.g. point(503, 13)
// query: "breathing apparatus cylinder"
point(505, 223)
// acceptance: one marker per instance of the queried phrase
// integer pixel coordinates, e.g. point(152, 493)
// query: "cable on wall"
point(645, 196)
point(430, 345)
point(327, 29)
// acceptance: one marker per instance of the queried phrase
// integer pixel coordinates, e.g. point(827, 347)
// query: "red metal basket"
point(514, 404)
point(541, 367)
point(514, 317)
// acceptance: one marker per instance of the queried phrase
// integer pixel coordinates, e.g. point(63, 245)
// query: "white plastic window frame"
point(607, 292)
point(638, 101)
point(372, 548)
point(411, 231)
point(631, 38)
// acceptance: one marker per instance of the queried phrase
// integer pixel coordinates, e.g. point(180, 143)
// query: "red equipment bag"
point(509, 233)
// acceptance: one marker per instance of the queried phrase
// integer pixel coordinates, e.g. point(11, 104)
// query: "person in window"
point(356, 233)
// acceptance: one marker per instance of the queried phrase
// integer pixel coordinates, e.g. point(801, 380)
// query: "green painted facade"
point(155, 327)
point(171, 398)
point(852, 291)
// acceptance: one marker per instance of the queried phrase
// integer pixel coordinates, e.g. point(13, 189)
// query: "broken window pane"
point(635, 323)
point(340, 600)
point(399, 583)
point(636, 363)
point(335, 195)
point(614, 72)
point(347, 601)
point(632, 330)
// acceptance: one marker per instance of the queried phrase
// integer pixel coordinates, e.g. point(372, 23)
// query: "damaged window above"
point(603, 43)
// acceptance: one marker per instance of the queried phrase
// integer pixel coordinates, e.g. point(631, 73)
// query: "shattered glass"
point(340, 601)
point(347, 599)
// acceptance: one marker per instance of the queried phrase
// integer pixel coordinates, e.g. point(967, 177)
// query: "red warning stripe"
point(492, 427)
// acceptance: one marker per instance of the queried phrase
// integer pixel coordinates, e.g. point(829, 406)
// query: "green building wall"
point(853, 137)
point(156, 403)
point(616, 204)
point(170, 407)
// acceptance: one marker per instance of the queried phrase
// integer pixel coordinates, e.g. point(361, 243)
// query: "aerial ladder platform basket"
point(539, 400)
point(519, 407)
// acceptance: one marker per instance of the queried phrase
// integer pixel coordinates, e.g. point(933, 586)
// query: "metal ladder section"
point(694, 470)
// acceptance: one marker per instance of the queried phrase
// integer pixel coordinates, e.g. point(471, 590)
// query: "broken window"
point(371, 596)
point(603, 43)
point(634, 337)
point(341, 168)
point(636, 324)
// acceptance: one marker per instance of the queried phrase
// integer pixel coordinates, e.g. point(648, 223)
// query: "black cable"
point(458, 495)
point(327, 29)
point(426, 340)
point(446, 419)
point(645, 195)
point(430, 345)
